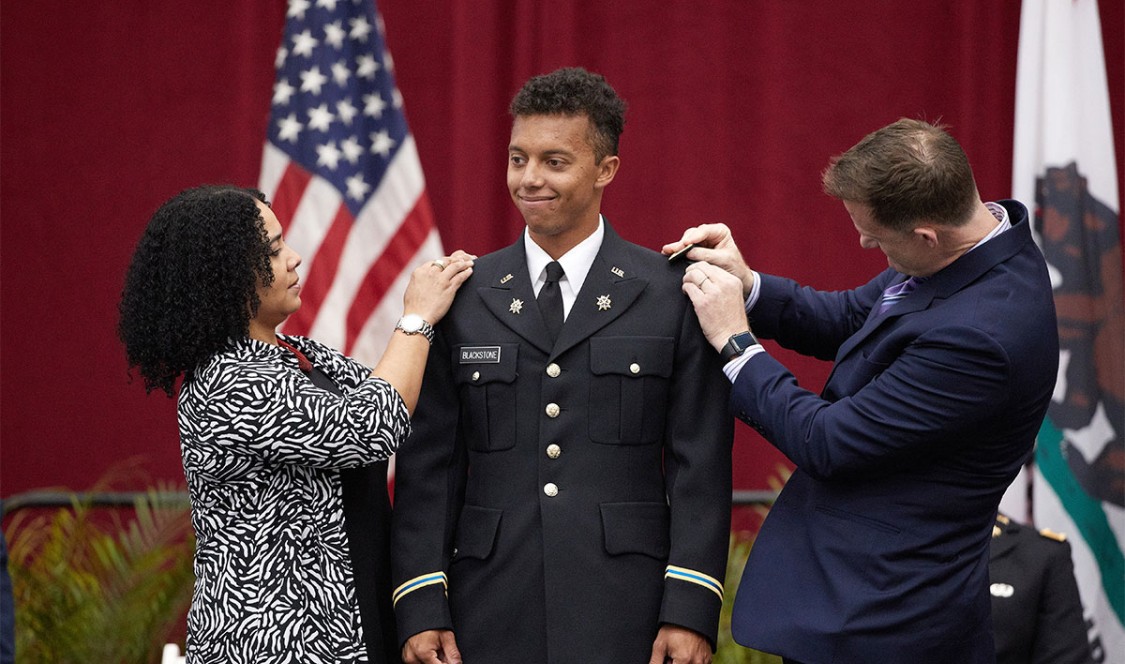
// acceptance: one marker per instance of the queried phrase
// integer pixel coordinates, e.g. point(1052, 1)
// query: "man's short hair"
point(907, 172)
point(575, 91)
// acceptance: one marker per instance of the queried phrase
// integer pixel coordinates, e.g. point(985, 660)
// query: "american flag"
point(342, 173)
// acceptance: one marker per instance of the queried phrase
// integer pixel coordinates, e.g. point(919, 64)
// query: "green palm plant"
point(91, 587)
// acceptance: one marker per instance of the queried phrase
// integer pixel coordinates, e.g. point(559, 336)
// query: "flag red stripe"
point(318, 281)
point(289, 191)
point(416, 226)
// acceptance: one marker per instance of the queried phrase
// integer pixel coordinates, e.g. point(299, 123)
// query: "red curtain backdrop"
point(735, 106)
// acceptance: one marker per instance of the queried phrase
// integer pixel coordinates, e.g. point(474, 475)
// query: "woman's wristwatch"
point(414, 324)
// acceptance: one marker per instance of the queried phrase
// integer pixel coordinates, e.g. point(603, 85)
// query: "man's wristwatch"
point(413, 324)
point(737, 345)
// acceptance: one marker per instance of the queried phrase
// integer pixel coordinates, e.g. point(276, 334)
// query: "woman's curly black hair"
point(191, 287)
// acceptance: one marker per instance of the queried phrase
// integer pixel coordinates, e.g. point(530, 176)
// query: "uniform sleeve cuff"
point(698, 578)
point(420, 582)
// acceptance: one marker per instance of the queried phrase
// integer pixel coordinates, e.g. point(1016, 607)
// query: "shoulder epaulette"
point(1050, 534)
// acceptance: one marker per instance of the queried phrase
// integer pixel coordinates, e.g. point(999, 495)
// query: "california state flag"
point(1064, 166)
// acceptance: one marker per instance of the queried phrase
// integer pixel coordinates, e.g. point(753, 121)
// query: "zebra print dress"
point(262, 449)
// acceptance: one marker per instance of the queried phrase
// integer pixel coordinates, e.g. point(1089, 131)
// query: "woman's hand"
point(434, 283)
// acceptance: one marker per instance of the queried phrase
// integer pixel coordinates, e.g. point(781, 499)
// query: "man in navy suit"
point(877, 548)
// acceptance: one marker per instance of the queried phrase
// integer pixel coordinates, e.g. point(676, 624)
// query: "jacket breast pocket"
point(629, 388)
point(486, 379)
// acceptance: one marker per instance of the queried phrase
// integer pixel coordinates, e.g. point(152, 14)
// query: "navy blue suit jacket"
point(877, 548)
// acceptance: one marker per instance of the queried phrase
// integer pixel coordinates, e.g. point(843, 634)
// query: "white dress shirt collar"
point(576, 264)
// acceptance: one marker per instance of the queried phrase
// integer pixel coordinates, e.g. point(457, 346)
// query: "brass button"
point(476, 375)
point(553, 410)
point(550, 489)
point(554, 451)
point(553, 370)
point(635, 368)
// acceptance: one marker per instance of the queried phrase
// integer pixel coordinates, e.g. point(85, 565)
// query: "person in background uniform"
point(269, 424)
point(1036, 608)
point(565, 496)
point(876, 550)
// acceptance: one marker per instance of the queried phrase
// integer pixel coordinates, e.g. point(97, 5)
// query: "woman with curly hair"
point(283, 439)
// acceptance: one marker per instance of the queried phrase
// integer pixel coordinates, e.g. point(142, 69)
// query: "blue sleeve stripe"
point(698, 578)
point(417, 582)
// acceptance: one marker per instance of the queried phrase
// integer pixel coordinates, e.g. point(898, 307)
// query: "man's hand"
point(715, 245)
point(677, 645)
point(434, 646)
point(717, 297)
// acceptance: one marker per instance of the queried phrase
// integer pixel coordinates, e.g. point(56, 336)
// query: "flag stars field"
point(345, 111)
point(367, 67)
point(373, 105)
point(328, 155)
point(297, 9)
point(357, 188)
point(282, 92)
point(361, 29)
point(342, 173)
point(304, 43)
point(381, 143)
point(312, 81)
point(335, 34)
point(289, 128)
point(320, 118)
point(341, 73)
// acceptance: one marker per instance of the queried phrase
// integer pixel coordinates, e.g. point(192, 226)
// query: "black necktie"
point(550, 300)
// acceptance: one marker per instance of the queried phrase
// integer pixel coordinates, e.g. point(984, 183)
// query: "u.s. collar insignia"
point(618, 271)
point(516, 306)
point(604, 303)
point(506, 279)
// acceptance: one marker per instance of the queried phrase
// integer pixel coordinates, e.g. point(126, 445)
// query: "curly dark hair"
point(192, 284)
point(575, 91)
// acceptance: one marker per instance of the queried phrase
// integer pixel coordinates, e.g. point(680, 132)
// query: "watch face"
point(411, 323)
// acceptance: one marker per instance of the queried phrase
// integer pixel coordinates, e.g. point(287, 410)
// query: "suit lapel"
point(956, 276)
point(511, 299)
point(919, 299)
point(610, 288)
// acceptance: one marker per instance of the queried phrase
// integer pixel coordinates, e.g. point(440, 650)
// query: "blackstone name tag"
point(480, 355)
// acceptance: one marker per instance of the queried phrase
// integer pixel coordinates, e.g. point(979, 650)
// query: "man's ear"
point(607, 169)
point(927, 234)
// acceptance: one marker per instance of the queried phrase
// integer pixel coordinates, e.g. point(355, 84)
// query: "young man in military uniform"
point(565, 496)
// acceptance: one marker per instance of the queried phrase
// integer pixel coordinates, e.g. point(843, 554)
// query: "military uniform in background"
point(1036, 609)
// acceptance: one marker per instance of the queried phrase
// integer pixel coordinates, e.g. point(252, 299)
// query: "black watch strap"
point(737, 345)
